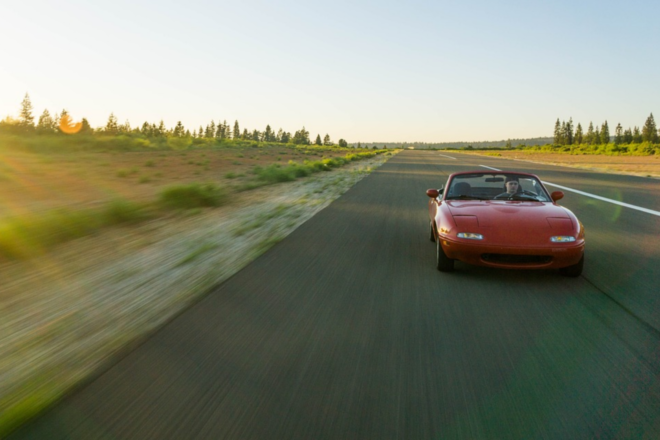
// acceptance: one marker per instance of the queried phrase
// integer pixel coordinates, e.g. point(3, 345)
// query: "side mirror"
point(433, 193)
point(557, 195)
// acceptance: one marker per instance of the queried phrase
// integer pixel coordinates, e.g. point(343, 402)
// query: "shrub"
point(194, 195)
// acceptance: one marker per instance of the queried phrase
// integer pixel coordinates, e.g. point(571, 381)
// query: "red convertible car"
point(503, 219)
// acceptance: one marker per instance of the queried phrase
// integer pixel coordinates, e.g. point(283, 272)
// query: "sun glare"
point(68, 126)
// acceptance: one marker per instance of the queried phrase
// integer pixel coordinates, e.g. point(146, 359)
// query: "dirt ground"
point(38, 182)
point(647, 166)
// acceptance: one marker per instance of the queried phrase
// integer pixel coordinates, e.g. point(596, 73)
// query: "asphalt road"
point(346, 330)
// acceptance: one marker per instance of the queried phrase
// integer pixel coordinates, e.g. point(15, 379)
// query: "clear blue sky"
point(361, 70)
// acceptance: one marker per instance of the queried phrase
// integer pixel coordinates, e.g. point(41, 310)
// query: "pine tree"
point(326, 140)
point(46, 123)
point(589, 138)
point(627, 136)
point(569, 132)
point(25, 118)
point(245, 136)
point(650, 131)
point(605, 134)
point(637, 136)
point(179, 131)
point(342, 143)
point(578, 135)
point(237, 131)
point(111, 127)
point(85, 128)
point(618, 137)
point(557, 137)
point(318, 140)
point(200, 133)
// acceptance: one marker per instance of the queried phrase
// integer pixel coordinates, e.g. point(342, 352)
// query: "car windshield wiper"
point(466, 197)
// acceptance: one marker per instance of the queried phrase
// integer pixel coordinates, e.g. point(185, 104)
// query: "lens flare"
point(68, 126)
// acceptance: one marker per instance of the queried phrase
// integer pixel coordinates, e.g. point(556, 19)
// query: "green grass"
point(194, 195)
point(30, 235)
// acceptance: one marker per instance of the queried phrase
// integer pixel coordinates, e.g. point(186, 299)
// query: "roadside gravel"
point(65, 314)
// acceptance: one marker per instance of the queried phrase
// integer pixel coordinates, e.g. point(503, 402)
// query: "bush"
point(194, 195)
point(32, 234)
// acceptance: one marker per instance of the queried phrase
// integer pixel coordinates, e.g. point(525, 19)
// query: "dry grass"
point(648, 166)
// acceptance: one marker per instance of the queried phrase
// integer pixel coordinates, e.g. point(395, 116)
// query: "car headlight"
point(562, 239)
point(470, 235)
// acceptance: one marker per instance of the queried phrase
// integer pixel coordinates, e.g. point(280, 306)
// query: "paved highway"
point(345, 330)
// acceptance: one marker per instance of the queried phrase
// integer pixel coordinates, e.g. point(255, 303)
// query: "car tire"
point(443, 263)
point(574, 270)
point(431, 232)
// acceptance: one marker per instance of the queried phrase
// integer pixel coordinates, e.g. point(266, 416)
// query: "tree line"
point(566, 134)
point(63, 123)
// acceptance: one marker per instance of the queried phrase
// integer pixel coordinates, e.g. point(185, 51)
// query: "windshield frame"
point(490, 186)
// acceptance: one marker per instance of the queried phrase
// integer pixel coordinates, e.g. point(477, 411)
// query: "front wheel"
point(574, 270)
point(444, 264)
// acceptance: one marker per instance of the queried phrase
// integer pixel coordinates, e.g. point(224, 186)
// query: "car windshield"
point(496, 186)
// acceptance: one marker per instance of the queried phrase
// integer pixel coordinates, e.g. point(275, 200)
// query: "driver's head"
point(511, 184)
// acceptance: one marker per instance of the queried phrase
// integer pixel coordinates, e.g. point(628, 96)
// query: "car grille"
point(516, 259)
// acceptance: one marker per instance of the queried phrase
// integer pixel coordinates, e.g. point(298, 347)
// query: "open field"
point(34, 182)
point(64, 313)
point(648, 166)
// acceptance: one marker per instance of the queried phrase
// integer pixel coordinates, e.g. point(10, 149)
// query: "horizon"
point(437, 73)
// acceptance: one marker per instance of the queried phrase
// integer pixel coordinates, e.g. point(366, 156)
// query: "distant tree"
point(637, 136)
point(256, 136)
point(286, 137)
point(318, 140)
point(46, 123)
point(246, 135)
point(25, 118)
point(179, 131)
point(589, 138)
point(85, 127)
point(342, 143)
point(557, 136)
point(627, 136)
point(111, 127)
point(301, 137)
point(650, 131)
point(359, 145)
point(618, 134)
point(508, 144)
point(578, 135)
point(124, 128)
point(200, 133)
point(326, 140)
point(604, 134)
point(210, 130)
point(568, 132)
point(269, 134)
point(237, 130)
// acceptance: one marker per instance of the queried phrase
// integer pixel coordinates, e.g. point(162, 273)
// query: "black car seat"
point(461, 189)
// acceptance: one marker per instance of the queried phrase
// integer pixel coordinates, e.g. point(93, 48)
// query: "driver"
point(511, 185)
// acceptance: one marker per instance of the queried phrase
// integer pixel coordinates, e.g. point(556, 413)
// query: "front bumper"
point(553, 256)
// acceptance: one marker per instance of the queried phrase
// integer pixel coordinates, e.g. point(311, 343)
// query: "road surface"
point(345, 330)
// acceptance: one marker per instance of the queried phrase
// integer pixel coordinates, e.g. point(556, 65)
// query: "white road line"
point(447, 156)
point(594, 196)
point(616, 202)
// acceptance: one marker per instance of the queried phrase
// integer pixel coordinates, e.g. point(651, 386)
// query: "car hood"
point(500, 221)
